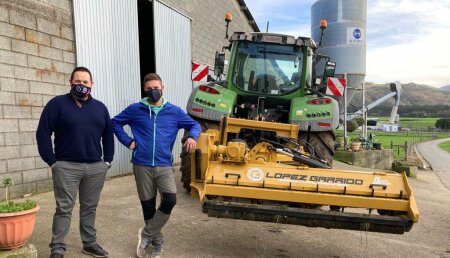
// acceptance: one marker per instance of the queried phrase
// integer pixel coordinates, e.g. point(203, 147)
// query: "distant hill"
point(445, 88)
point(416, 100)
point(412, 94)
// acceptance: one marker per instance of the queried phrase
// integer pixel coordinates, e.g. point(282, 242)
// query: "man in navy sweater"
point(81, 126)
point(154, 123)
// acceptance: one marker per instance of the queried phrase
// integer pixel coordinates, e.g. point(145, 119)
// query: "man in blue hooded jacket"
point(154, 123)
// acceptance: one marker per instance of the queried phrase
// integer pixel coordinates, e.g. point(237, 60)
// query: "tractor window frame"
point(269, 69)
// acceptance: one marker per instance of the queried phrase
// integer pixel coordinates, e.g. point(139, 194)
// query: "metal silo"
point(345, 38)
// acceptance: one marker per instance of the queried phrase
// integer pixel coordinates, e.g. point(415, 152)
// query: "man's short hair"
point(152, 77)
point(80, 69)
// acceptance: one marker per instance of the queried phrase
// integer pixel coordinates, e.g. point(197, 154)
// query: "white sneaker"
point(157, 249)
point(156, 254)
point(142, 244)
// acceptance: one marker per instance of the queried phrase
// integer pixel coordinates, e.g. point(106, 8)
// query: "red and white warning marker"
point(336, 86)
point(199, 72)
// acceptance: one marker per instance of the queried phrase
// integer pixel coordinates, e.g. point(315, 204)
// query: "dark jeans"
point(68, 179)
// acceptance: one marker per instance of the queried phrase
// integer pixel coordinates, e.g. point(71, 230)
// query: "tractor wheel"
point(322, 143)
point(185, 167)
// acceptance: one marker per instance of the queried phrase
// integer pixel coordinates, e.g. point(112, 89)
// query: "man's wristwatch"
point(108, 164)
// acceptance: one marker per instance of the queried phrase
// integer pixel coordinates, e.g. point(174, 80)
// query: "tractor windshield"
point(267, 68)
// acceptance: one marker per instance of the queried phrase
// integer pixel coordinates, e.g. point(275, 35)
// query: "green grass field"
point(445, 146)
point(398, 138)
point(413, 122)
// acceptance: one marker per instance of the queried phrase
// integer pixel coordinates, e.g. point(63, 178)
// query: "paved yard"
point(190, 233)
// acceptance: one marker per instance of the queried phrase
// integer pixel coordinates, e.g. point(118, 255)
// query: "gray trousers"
point(69, 178)
point(149, 181)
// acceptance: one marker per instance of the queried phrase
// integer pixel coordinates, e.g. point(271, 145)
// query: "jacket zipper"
point(154, 132)
point(154, 139)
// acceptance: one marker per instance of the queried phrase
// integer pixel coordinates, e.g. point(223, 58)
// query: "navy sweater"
point(78, 131)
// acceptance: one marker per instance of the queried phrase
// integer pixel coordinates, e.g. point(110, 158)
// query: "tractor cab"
point(268, 69)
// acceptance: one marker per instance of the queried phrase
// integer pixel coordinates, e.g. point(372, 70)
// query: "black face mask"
point(80, 91)
point(153, 95)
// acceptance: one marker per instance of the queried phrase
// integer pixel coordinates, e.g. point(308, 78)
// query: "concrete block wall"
point(208, 25)
point(37, 55)
point(378, 159)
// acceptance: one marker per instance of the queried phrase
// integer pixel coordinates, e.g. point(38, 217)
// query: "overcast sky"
point(407, 40)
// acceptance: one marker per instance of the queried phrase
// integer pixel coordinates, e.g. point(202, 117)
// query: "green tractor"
point(271, 77)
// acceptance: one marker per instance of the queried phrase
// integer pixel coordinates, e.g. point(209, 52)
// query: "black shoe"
point(96, 251)
point(56, 255)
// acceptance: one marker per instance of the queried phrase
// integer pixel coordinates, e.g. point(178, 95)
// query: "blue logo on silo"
point(357, 33)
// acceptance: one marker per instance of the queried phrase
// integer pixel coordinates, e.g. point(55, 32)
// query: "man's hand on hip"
point(132, 145)
point(190, 144)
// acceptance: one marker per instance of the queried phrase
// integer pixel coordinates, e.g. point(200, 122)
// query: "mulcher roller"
point(268, 183)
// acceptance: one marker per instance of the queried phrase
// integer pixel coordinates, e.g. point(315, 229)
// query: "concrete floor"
point(190, 233)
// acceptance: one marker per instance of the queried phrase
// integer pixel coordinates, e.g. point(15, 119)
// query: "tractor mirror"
point(219, 63)
point(330, 68)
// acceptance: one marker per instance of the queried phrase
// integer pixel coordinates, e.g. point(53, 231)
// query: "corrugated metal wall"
point(107, 42)
point(173, 58)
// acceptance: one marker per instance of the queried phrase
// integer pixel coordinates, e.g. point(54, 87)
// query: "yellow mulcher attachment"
point(275, 181)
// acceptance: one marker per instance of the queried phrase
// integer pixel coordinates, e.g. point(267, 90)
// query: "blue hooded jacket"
point(154, 133)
